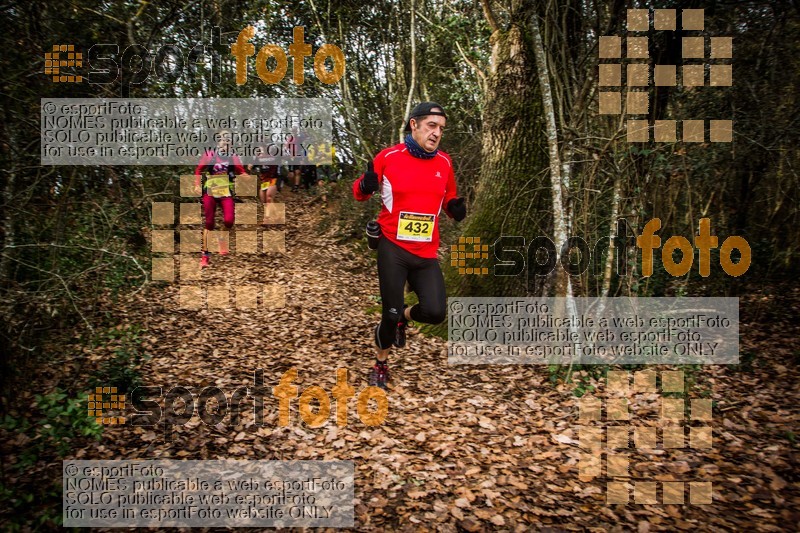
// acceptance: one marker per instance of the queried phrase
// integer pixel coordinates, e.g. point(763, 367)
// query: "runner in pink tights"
point(220, 166)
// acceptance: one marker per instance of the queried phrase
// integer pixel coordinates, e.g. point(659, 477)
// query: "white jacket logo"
point(438, 174)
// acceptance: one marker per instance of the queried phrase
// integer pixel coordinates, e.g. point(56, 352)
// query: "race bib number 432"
point(415, 227)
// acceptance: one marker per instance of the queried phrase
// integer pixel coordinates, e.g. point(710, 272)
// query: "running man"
point(415, 180)
point(267, 170)
point(220, 165)
point(293, 147)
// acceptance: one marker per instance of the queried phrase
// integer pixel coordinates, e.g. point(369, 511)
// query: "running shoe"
point(379, 375)
point(400, 335)
point(204, 261)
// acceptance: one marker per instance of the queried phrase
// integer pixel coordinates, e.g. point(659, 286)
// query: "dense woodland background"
point(75, 239)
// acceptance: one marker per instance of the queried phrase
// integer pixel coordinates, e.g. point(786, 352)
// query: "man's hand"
point(369, 183)
point(457, 209)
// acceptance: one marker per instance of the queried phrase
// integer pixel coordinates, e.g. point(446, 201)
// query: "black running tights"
point(395, 266)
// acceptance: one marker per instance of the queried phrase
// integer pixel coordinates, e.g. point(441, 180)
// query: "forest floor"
point(463, 447)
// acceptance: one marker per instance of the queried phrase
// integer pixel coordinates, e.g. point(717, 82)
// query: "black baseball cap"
point(424, 109)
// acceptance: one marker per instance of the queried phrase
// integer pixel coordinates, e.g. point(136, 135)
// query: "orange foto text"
point(649, 241)
point(299, 50)
point(285, 392)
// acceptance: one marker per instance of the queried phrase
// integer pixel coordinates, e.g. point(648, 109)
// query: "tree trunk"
point(411, 85)
point(350, 116)
point(608, 270)
point(9, 232)
point(7, 144)
point(563, 285)
point(508, 196)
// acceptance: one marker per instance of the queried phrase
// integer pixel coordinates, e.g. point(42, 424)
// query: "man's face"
point(427, 131)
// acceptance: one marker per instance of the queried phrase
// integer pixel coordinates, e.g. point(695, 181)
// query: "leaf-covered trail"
point(463, 447)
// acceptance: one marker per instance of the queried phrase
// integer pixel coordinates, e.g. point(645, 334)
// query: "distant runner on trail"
point(325, 172)
point(415, 180)
point(267, 169)
point(220, 166)
point(293, 146)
